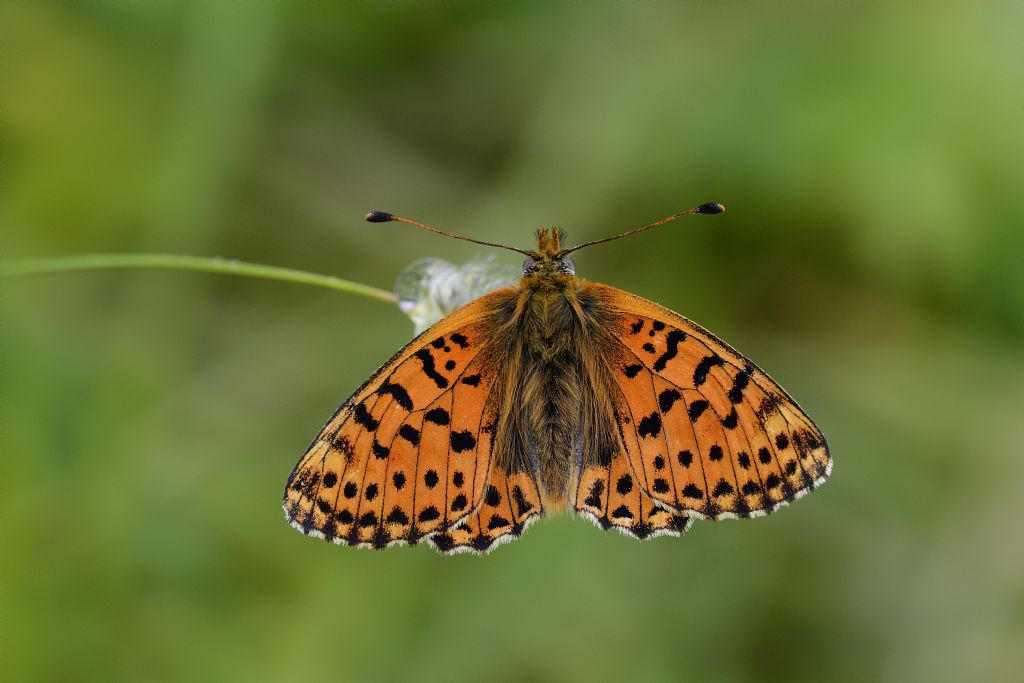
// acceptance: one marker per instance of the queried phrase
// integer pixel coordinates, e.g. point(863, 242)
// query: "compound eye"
point(530, 266)
point(567, 265)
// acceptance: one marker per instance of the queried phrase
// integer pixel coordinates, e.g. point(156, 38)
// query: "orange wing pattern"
point(511, 504)
point(409, 453)
point(707, 433)
point(611, 498)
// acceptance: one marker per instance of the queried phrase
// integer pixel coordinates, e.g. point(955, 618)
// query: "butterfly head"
point(549, 258)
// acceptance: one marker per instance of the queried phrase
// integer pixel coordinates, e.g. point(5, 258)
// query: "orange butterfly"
point(558, 393)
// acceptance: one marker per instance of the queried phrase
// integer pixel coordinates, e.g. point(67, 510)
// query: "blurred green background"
point(871, 159)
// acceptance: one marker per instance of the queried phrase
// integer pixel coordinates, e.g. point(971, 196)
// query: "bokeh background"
point(871, 158)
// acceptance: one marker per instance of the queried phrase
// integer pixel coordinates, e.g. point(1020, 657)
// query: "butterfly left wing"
point(706, 432)
point(409, 453)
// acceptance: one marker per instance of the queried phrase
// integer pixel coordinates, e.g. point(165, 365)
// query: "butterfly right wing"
point(409, 453)
point(609, 496)
point(706, 433)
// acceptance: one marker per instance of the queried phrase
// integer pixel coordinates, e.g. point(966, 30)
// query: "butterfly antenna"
point(385, 217)
point(710, 208)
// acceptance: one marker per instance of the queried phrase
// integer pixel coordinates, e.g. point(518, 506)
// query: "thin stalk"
point(67, 264)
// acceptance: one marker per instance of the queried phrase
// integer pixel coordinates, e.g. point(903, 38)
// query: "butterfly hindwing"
point(410, 452)
point(511, 504)
point(610, 497)
point(707, 433)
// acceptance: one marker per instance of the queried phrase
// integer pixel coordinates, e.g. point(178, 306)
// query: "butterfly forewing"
point(707, 433)
point(410, 452)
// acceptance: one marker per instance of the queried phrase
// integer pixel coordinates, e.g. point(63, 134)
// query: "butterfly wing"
point(609, 496)
point(511, 504)
point(409, 453)
point(706, 432)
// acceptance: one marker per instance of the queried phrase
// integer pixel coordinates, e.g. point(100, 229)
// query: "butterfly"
point(554, 395)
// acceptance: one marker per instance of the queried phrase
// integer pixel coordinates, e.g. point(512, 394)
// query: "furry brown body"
point(556, 412)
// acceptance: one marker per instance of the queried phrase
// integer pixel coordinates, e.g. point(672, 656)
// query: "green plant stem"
point(175, 262)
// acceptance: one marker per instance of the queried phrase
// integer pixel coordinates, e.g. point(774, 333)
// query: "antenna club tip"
point(379, 217)
point(710, 208)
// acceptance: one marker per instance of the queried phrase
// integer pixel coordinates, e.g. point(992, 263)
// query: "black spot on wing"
point(429, 369)
point(650, 425)
point(471, 380)
point(622, 512)
point(594, 498)
point(632, 371)
point(397, 392)
point(672, 342)
point(667, 398)
point(493, 498)
point(700, 373)
point(685, 457)
point(410, 434)
point(379, 450)
point(738, 385)
point(462, 441)
point(716, 453)
point(692, 491)
point(461, 340)
point(697, 408)
point(362, 417)
point(497, 522)
point(397, 516)
point(438, 416)
point(481, 543)
point(764, 455)
point(731, 420)
point(522, 505)
point(428, 514)
point(624, 485)
point(637, 326)
point(398, 478)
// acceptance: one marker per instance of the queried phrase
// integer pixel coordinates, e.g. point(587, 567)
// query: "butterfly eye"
point(530, 266)
point(567, 265)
